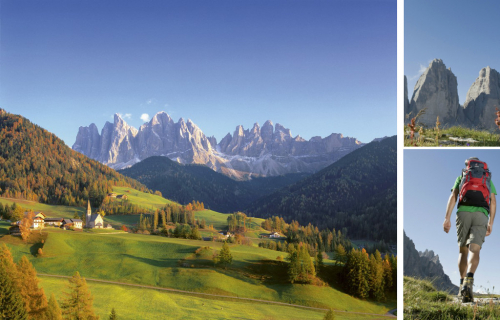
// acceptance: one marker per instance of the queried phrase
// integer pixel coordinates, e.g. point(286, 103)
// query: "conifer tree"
point(329, 315)
point(113, 316)
point(78, 301)
point(34, 297)
point(53, 311)
point(11, 301)
point(376, 276)
point(225, 256)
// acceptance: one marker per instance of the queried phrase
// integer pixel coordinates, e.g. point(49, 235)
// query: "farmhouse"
point(274, 235)
point(122, 196)
point(38, 219)
point(93, 221)
point(56, 222)
point(226, 234)
point(75, 223)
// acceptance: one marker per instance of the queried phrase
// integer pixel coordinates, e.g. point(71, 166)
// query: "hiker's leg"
point(462, 261)
point(473, 257)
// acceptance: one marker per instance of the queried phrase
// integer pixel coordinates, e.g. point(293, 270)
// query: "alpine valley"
point(269, 150)
point(302, 245)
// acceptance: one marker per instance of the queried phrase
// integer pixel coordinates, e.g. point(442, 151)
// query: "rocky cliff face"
point(482, 99)
point(436, 90)
point(407, 102)
point(425, 265)
point(267, 151)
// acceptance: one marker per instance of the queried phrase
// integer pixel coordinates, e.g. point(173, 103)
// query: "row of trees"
point(315, 240)
point(371, 276)
point(237, 222)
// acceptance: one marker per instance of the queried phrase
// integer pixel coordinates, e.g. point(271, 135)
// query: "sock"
point(462, 281)
point(470, 275)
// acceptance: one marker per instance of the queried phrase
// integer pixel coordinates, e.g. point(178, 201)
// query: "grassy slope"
point(423, 301)
point(137, 303)
point(143, 199)
point(153, 260)
point(50, 210)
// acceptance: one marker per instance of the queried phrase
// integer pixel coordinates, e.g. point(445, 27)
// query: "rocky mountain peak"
point(265, 151)
point(436, 90)
point(425, 265)
point(483, 98)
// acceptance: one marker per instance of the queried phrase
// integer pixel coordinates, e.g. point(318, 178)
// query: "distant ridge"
point(185, 183)
point(358, 192)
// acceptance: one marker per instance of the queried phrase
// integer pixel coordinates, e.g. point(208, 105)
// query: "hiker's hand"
point(446, 225)
point(489, 229)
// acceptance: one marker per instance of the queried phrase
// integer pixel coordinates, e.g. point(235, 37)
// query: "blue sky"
point(316, 67)
point(464, 34)
point(428, 178)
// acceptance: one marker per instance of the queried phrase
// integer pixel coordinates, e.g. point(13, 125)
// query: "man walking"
point(475, 214)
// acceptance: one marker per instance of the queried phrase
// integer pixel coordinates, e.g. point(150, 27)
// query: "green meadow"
point(48, 209)
point(139, 303)
point(172, 263)
point(143, 199)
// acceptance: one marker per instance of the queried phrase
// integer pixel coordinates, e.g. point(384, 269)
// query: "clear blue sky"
point(463, 33)
point(428, 178)
point(316, 67)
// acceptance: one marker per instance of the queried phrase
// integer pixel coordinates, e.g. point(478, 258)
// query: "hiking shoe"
point(466, 291)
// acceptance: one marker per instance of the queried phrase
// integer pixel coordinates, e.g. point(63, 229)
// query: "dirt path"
point(387, 315)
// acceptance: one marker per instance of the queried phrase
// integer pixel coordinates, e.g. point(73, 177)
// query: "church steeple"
point(88, 215)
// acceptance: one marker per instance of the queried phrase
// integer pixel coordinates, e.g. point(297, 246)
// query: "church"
point(93, 221)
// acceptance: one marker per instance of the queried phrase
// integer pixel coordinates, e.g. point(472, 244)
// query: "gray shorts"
point(471, 228)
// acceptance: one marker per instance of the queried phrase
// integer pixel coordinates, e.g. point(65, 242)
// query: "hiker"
point(476, 203)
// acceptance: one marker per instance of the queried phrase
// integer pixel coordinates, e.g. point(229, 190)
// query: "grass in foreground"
point(428, 139)
point(423, 302)
point(138, 303)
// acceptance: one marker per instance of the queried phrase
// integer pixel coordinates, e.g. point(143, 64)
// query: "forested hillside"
point(36, 165)
point(185, 183)
point(358, 193)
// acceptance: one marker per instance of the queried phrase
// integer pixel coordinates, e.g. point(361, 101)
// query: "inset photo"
point(452, 83)
point(450, 238)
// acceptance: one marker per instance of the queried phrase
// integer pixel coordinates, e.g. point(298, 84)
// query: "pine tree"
point(53, 311)
point(225, 256)
point(78, 301)
point(155, 220)
point(376, 276)
point(329, 315)
point(11, 301)
point(34, 297)
point(340, 254)
point(113, 316)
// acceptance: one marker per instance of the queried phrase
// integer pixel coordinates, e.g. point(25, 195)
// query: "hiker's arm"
point(493, 209)
point(449, 209)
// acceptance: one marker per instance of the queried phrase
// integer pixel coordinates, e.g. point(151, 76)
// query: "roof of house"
point(93, 217)
point(76, 220)
point(53, 219)
point(67, 221)
point(36, 214)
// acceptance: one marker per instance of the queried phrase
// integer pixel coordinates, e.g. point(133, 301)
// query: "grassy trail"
point(389, 315)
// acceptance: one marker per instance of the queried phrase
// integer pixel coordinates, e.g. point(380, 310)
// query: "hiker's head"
point(467, 161)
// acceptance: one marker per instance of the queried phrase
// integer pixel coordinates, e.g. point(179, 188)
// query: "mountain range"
point(436, 90)
point(269, 150)
point(425, 265)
